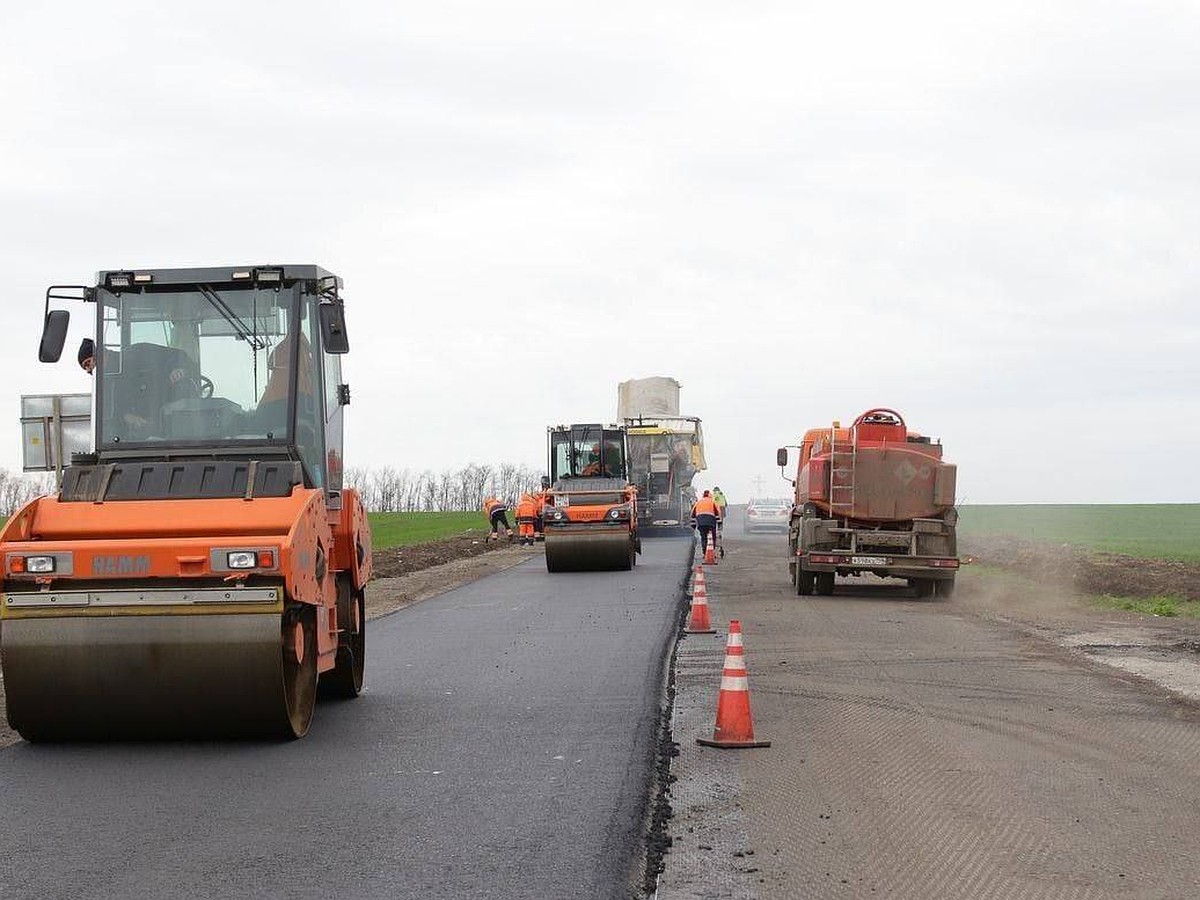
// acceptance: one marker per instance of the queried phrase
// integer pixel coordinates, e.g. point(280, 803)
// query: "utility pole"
point(758, 485)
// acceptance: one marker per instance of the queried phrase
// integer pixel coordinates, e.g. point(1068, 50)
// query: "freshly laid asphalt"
point(503, 749)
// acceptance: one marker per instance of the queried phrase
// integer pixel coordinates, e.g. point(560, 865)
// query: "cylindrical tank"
point(875, 471)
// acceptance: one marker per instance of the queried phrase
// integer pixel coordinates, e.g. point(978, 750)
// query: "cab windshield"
point(204, 364)
point(586, 451)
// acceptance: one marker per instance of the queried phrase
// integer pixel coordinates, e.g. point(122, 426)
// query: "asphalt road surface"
point(503, 749)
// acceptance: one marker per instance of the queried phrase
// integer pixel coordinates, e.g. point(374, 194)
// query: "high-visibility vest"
point(490, 505)
point(705, 506)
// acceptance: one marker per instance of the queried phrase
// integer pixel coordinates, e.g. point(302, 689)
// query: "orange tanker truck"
point(202, 572)
point(874, 498)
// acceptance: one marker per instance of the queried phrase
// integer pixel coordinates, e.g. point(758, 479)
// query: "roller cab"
point(590, 516)
point(202, 572)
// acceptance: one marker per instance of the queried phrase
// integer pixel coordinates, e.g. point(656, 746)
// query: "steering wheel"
point(204, 386)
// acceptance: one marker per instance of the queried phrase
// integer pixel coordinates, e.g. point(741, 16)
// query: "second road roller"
point(201, 573)
point(590, 517)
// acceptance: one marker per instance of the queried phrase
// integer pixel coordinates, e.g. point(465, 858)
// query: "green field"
point(402, 529)
point(1151, 531)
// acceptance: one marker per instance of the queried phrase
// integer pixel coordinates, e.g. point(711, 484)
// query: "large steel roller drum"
point(145, 677)
point(588, 550)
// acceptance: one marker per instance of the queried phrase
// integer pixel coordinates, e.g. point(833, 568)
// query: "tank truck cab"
point(210, 517)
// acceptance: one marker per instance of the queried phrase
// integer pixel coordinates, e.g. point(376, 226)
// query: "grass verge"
point(401, 529)
point(1163, 605)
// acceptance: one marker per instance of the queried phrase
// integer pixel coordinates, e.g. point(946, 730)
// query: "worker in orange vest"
point(706, 513)
point(496, 512)
point(539, 507)
point(526, 519)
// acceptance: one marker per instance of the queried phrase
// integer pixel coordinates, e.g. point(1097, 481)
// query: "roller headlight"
point(38, 565)
point(242, 559)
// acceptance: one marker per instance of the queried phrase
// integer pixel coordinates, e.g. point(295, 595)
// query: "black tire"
point(345, 680)
point(945, 589)
point(922, 588)
point(299, 675)
point(824, 582)
point(806, 584)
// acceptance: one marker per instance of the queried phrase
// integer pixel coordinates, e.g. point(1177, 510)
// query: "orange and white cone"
point(699, 623)
point(710, 552)
point(697, 578)
point(734, 726)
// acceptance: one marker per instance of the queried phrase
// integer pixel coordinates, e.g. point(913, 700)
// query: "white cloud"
point(983, 216)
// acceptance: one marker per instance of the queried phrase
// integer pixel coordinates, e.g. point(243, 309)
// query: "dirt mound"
point(1088, 572)
point(396, 561)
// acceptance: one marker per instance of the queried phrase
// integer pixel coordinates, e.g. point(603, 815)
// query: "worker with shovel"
point(497, 515)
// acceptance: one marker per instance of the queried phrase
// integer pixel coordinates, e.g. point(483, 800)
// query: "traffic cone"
point(699, 622)
point(734, 726)
point(710, 556)
point(697, 578)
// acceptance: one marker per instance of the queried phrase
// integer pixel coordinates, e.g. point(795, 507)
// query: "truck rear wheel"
point(824, 583)
point(805, 583)
point(945, 588)
point(922, 587)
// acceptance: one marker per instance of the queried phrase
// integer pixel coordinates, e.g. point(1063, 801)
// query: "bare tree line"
point(391, 489)
point(386, 489)
point(17, 489)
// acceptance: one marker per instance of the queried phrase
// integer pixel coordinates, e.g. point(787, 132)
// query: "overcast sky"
point(986, 216)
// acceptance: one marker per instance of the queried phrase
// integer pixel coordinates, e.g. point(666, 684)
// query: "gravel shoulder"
point(979, 746)
point(1044, 591)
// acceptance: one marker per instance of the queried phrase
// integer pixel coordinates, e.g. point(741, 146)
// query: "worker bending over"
point(496, 512)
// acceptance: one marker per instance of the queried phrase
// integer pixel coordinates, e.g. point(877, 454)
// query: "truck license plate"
point(868, 560)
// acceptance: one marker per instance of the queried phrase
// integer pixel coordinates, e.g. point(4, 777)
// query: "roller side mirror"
point(54, 335)
point(333, 328)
